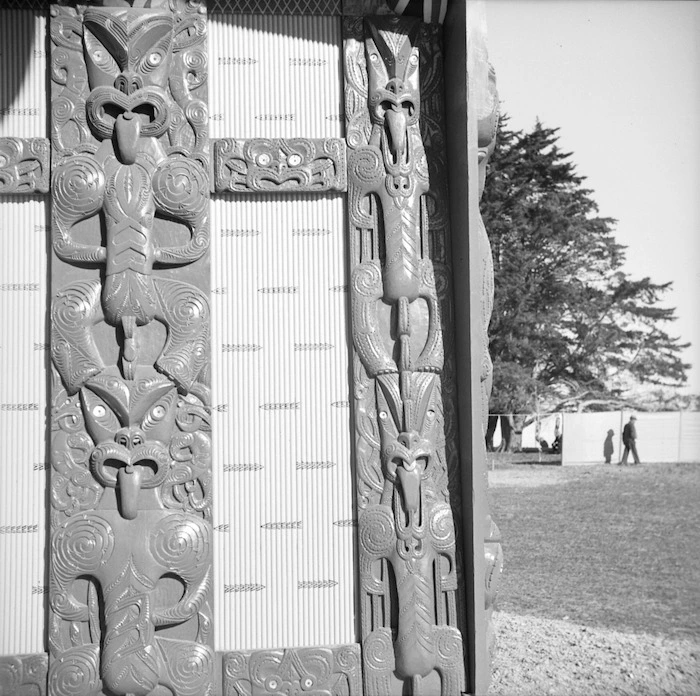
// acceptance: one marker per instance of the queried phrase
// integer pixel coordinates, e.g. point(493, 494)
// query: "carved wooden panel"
point(328, 671)
point(23, 674)
point(24, 165)
point(303, 165)
point(407, 468)
point(130, 574)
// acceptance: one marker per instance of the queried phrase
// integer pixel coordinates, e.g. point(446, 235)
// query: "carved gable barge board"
point(131, 537)
point(467, 148)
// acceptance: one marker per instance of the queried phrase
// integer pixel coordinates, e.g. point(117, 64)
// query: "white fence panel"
point(689, 450)
point(584, 436)
point(661, 437)
point(657, 436)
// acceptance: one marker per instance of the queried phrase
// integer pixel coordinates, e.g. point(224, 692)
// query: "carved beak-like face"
point(396, 111)
point(393, 84)
point(408, 458)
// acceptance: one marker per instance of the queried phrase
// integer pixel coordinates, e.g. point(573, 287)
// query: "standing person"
point(629, 440)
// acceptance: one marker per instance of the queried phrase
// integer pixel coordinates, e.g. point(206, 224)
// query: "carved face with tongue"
point(393, 84)
point(131, 424)
point(128, 55)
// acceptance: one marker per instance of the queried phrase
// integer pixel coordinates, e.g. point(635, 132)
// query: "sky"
point(621, 78)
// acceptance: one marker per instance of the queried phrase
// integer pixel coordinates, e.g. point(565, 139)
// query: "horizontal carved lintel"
point(294, 165)
point(334, 670)
point(24, 165)
point(23, 674)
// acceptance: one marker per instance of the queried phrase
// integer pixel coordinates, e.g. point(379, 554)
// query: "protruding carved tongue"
point(396, 121)
point(129, 487)
point(410, 485)
point(128, 130)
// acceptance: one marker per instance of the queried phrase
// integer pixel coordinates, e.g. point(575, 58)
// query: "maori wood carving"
point(407, 469)
point(295, 165)
point(23, 674)
point(316, 671)
point(130, 576)
point(487, 128)
point(24, 165)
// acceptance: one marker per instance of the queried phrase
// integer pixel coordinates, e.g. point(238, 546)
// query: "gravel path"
point(548, 657)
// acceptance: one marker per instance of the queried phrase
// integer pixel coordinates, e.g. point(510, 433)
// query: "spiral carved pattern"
point(195, 61)
point(378, 651)
point(367, 166)
point(81, 545)
point(442, 529)
point(197, 113)
point(449, 646)
point(235, 666)
point(367, 280)
point(59, 62)
point(75, 306)
point(188, 308)
point(10, 150)
point(77, 185)
point(180, 542)
point(189, 667)
point(182, 187)
point(74, 673)
point(348, 659)
point(376, 531)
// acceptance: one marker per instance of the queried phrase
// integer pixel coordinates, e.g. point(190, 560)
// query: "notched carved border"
point(23, 674)
point(24, 165)
point(326, 670)
point(259, 165)
point(284, 7)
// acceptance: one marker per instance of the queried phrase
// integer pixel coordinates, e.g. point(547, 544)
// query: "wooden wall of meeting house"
point(249, 297)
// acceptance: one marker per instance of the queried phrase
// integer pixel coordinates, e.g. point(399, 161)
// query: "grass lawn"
point(603, 546)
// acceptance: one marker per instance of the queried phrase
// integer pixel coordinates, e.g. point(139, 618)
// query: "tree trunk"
point(517, 436)
point(506, 433)
point(512, 433)
point(490, 431)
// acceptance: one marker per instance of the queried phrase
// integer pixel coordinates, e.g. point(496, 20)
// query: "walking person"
point(629, 440)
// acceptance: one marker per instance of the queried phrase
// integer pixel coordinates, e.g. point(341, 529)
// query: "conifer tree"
point(568, 319)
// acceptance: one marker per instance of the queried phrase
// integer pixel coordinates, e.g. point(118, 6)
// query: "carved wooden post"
point(407, 469)
point(130, 573)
